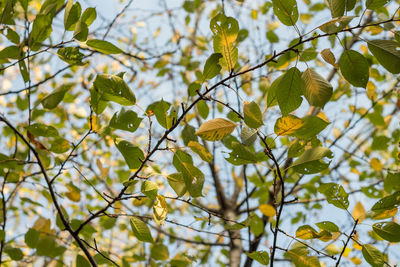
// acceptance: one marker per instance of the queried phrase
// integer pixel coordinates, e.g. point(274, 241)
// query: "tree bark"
point(235, 251)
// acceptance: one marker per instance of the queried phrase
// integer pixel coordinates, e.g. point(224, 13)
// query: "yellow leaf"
point(215, 129)
point(346, 252)
point(94, 122)
point(357, 246)
point(288, 125)
point(356, 260)
point(359, 212)
point(160, 210)
point(267, 210)
point(376, 164)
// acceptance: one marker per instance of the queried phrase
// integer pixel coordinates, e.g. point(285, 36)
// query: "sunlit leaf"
point(286, 11)
point(335, 194)
point(103, 46)
point(215, 129)
point(288, 125)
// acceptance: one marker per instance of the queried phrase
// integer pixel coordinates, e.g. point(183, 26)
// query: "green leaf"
point(355, 68)
point(71, 15)
point(177, 183)
point(133, 155)
point(225, 31)
point(89, 15)
point(392, 182)
point(312, 125)
point(12, 52)
point(140, 230)
point(260, 256)
point(290, 91)
point(336, 25)
point(337, 7)
point(335, 194)
point(241, 154)
point(159, 252)
point(271, 98)
point(375, 4)
point(252, 114)
point(311, 160)
point(107, 222)
point(286, 11)
point(328, 226)
point(272, 37)
point(193, 177)
point(387, 203)
point(149, 189)
point(14, 253)
point(113, 88)
point(81, 31)
point(389, 231)
point(212, 67)
point(39, 129)
point(53, 99)
point(60, 146)
point(46, 246)
point(203, 109)
point(81, 261)
point(13, 36)
point(288, 125)
point(317, 90)
point(24, 71)
point(215, 129)
point(372, 255)
point(160, 109)
point(126, 120)
point(189, 134)
point(201, 151)
point(41, 30)
point(387, 54)
point(103, 46)
point(71, 55)
point(256, 225)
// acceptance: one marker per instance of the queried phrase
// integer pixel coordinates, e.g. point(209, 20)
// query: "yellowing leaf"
point(329, 57)
point(306, 232)
point(332, 249)
point(288, 125)
point(200, 150)
point(359, 212)
point(215, 129)
point(267, 210)
point(376, 164)
point(160, 210)
point(385, 214)
point(317, 90)
point(74, 193)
